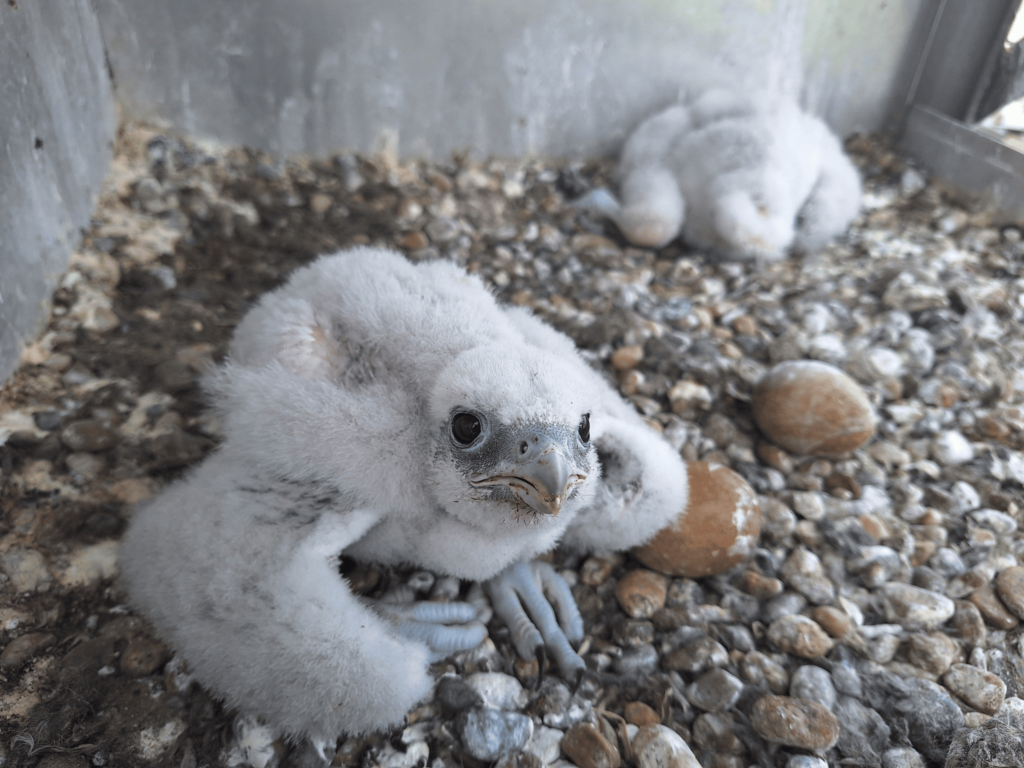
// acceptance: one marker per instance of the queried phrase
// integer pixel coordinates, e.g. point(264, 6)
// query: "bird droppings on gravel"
point(881, 605)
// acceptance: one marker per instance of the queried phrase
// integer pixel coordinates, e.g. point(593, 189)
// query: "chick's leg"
point(539, 609)
point(445, 628)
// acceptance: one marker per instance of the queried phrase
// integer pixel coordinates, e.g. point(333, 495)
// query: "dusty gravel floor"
point(921, 303)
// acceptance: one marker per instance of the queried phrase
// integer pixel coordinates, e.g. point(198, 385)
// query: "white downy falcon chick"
point(743, 176)
point(392, 413)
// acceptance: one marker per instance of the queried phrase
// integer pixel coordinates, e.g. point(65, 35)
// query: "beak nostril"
point(523, 448)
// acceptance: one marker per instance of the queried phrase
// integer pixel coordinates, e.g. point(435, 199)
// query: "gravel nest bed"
point(921, 303)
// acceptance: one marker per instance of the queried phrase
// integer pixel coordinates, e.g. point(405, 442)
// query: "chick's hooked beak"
point(542, 474)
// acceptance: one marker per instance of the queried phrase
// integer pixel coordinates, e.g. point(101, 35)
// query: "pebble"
point(760, 586)
point(714, 691)
point(641, 593)
point(980, 689)
point(932, 651)
point(637, 661)
point(810, 407)
point(487, 734)
point(588, 748)
point(23, 648)
point(805, 761)
point(697, 656)
point(143, 656)
point(1009, 585)
point(951, 448)
point(656, 746)
point(914, 608)
point(639, 714)
point(968, 623)
point(758, 668)
point(89, 435)
point(800, 636)
point(546, 744)
point(813, 683)
point(26, 569)
point(833, 620)
point(795, 722)
point(716, 731)
point(718, 529)
point(992, 608)
point(154, 742)
point(902, 757)
point(498, 691)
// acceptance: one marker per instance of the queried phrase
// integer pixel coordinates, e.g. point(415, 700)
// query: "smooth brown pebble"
point(641, 593)
point(143, 656)
point(980, 689)
point(586, 747)
point(800, 636)
point(1010, 588)
point(627, 358)
point(992, 608)
point(832, 620)
point(639, 714)
point(760, 586)
point(809, 407)
point(716, 531)
point(795, 722)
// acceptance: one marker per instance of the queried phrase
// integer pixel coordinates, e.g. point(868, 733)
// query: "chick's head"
point(512, 441)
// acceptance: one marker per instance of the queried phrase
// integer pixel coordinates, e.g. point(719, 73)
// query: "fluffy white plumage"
point(340, 397)
point(741, 175)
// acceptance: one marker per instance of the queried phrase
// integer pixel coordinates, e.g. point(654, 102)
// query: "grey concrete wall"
point(57, 124)
point(508, 77)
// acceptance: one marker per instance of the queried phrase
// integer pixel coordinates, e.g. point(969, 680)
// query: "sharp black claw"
point(542, 661)
point(580, 674)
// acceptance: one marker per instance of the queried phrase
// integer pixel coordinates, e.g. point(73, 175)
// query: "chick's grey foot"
point(445, 628)
point(538, 607)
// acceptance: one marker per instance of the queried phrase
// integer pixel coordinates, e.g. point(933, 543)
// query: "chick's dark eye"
point(585, 428)
point(465, 428)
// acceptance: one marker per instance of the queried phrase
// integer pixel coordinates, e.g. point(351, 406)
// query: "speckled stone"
point(795, 722)
point(1009, 586)
point(487, 734)
point(915, 608)
point(980, 689)
point(697, 656)
point(931, 651)
point(714, 691)
point(718, 529)
point(657, 746)
point(809, 407)
point(800, 636)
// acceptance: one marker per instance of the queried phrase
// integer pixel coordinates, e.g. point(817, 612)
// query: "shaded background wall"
point(506, 77)
point(57, 124)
